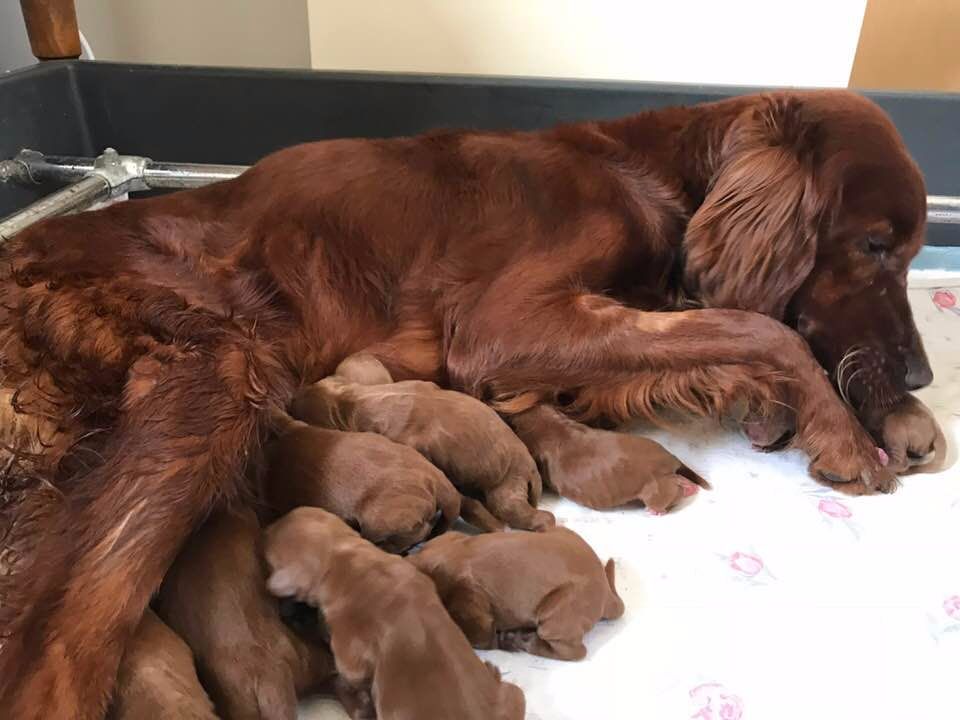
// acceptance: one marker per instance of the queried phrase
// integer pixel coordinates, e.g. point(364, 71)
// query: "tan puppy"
point(388, 491)
point(600, 468)
point(457, 433)
point(157, 678)
point(539, 592)
point(215, 598)
point(388, 629)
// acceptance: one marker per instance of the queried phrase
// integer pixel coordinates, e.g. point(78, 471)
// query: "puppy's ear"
point(753, 241)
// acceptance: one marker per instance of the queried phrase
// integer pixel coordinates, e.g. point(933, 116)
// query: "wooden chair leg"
point(52, 28)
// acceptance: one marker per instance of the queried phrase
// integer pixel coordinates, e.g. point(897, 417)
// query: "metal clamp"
point(107, 176)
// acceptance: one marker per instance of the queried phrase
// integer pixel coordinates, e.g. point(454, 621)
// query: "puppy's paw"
point(662, 494)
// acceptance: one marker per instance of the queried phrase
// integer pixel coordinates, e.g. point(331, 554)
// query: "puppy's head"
point(297, 549)
point(363, 369)
point(812, 214)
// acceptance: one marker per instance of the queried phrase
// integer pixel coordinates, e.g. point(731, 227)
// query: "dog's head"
point(812, 215)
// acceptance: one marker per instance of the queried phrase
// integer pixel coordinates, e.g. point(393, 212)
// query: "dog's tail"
point(613, 608)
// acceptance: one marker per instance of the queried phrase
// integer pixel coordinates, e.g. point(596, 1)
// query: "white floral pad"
point(771, 597)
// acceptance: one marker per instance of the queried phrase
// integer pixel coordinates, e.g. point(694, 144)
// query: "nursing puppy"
point(214, 597)
point(539, 592)
point(388, 491)
point(600, 468)
point(157, 678)
point(389, 632)
point(459, 434)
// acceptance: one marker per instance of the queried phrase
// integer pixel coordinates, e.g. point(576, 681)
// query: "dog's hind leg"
point(179, 446)
point(471, 610)
point(560, 628)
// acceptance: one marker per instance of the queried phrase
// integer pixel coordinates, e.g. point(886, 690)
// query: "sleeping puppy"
point(539, 592)
point(389, 632)
point(388, 491)
point(157, 678)
point(600, 468)
point(214, 597)
point(457, 433)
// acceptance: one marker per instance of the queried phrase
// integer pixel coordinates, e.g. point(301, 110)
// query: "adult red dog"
point(143, 344)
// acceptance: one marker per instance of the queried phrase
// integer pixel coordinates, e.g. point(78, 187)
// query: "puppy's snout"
point(919, 374)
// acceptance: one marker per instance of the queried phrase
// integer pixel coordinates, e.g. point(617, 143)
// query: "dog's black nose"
point(919, 374)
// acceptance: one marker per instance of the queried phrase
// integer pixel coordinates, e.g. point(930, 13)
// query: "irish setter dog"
point(754, 248)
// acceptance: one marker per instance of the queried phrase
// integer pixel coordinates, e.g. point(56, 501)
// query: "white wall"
point(243, 33)
point(757, 42)
point(14, 46)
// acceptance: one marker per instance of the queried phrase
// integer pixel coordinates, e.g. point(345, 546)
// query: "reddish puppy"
point(460, 435)
point(388, 630)
point(215, 598)
point(603, 469)
point(387, 491)
point(539, 592)
point(157, 678)
point(143, 344)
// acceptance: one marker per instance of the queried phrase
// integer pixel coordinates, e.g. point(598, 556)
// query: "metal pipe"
point(31, 167)
point(943, 210)
point(187, 175)
point(81, 194)
point(107, 176)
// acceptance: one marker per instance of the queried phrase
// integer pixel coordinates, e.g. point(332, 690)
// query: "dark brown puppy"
point(157, 678)
point(600, 468)
point(539, 592)
point(388, 629)
point(214, 598)
point(387, 491)
point(457, 433)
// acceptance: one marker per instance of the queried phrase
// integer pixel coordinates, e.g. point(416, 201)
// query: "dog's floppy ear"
point(752, 242)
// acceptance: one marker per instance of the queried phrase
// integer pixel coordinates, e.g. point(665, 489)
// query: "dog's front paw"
point(911, 437)
point(845, 457)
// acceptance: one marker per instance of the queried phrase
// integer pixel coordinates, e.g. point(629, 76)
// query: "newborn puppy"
point(539, 592)
point(214, 597)
point(157, 678)
point(457, 433)
point(600, 468)
point(388, 491)
point(389, 633)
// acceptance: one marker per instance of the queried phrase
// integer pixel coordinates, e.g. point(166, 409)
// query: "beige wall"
point(909, 45)
point(244, 33)
point(709, 41)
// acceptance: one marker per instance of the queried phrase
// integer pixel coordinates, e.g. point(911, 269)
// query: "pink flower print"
point(944, 299)
point(745, 563)
point(715, 702)
point(834, 508)
point(951, 606)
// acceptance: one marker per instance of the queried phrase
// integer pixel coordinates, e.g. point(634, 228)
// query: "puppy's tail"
point(614, 605)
